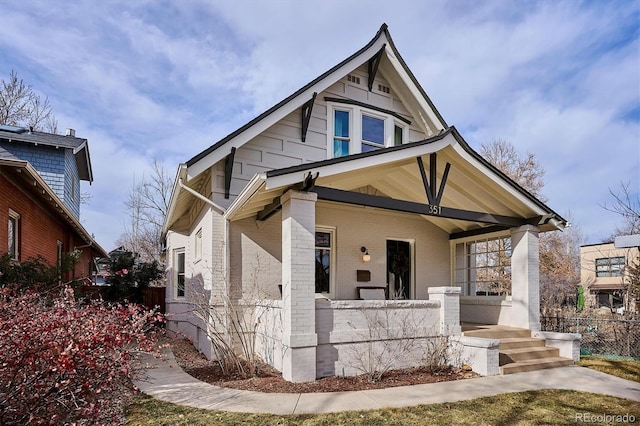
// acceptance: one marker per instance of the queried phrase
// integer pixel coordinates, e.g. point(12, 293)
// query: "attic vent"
point(382, 88)
point(353, 79)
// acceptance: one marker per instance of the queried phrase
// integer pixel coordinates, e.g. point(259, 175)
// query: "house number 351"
point(435, 210)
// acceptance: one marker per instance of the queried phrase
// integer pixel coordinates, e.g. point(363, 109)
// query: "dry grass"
point(627, 369)
point(536, 407)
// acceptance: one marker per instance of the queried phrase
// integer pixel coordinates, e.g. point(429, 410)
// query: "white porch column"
point(525, 277)
point(298, 286)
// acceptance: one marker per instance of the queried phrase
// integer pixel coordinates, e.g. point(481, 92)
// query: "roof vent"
point(71, 132)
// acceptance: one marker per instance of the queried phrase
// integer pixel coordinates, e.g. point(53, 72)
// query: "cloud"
point(167, 79)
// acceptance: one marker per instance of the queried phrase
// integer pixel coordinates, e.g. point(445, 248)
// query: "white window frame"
point(15, 218)
point(355, 127)
point(466, 266)
point(176, 273)
point(385, 125)
point(332, 257)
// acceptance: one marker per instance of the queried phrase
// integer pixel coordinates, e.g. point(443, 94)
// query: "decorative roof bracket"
point(373, 65)
point(228, 171)
point(430, 184)
point(307, 107)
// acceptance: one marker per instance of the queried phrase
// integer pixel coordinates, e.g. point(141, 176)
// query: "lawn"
point(556, 407)
point(627, 369)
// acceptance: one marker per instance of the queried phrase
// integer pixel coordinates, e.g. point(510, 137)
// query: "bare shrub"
point(389, 334)
point(231, 321)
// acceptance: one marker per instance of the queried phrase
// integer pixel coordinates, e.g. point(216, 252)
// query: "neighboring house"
point(604, 274)
point(354, 187)
point(40, 198)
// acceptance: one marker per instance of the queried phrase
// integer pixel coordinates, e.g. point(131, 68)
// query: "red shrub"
point(61, 361)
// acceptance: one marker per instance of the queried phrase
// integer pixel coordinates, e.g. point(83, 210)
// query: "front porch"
point(323, 230)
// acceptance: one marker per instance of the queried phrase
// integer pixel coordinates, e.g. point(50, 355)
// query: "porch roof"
point(455, 188)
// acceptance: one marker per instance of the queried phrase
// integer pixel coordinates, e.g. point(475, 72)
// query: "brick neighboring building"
point(40, 177)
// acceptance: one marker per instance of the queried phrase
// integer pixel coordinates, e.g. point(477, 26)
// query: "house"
point(353, 187)
point(40, 177)
point(604, 273)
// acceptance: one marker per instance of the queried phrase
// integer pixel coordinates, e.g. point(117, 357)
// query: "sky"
point(144, 80)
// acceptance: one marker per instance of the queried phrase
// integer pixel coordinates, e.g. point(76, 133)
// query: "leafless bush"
point(231, 320)
point(390, 334)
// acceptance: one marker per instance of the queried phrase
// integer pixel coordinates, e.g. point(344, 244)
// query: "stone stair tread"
point(521, 342)
point(535, 364)
point(527, 349)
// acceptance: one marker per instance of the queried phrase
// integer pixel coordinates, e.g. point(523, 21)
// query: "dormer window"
point(372, 133)
point(359, 127)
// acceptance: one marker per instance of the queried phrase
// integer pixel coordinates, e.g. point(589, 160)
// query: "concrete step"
point(529, 353)
point(535, 364)
point(520, 342)
point(498, 333)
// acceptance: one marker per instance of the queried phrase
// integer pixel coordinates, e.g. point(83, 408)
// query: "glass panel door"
point(399, 269)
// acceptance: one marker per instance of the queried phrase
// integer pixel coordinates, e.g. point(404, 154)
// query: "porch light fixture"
point(365, 257)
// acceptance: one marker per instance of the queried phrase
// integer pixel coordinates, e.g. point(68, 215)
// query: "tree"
point(147, 205)
point(525, 171)
point(627, 207)
point(559, 251)
point(21, 106)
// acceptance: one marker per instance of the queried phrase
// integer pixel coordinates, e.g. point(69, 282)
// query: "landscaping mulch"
point(270, 380)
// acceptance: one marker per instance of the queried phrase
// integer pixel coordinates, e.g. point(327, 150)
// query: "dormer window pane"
point(341, 133)
point(372, 130)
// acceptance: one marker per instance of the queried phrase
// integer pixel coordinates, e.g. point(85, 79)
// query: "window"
point(198, 248)
point(13, 243)
point(179, 272)
point(341, 133)
point(398, 132)
point(483, 267)
point(324, 255)
point(358, 127)
point(372, 133)
point(610, 266)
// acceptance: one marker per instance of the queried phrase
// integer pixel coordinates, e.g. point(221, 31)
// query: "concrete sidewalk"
point(166, 381)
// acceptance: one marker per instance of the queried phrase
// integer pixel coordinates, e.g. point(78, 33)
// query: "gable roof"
point(472, 185)
point(79, 146)
point(381, 42)
point(26, 173)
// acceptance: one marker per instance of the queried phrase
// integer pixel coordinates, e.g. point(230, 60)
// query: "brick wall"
point(39, 230)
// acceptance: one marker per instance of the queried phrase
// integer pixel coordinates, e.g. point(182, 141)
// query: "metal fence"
point(600, 336)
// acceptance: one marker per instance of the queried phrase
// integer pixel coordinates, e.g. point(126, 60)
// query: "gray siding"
point(281, 145)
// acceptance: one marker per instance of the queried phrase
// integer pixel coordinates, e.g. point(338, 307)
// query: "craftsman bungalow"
point(352, 189)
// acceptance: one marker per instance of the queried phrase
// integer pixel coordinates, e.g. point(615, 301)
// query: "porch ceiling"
point(394, 173)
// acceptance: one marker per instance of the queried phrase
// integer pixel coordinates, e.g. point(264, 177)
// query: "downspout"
point(199, 196)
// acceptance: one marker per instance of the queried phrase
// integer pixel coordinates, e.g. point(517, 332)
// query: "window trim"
point(14, 217)
point(332, 257)
point(177, 273)
point(356, 111)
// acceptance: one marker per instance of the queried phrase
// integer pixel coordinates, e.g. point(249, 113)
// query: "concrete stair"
point(518, 350)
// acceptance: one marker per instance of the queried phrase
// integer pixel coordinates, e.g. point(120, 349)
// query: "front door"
point(399, 269)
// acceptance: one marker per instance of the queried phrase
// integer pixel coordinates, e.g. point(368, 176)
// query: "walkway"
point(166, 381)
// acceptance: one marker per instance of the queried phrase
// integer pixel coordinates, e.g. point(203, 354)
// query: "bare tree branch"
point(627, 207)
point(21, 106)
